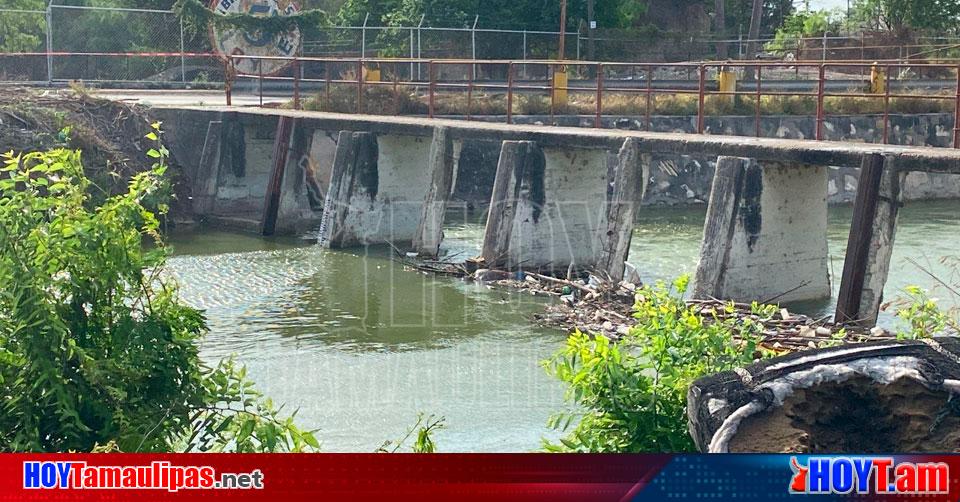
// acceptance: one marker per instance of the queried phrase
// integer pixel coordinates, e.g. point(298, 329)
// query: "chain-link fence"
point(96, 44)
point(147, 46)
point(23, 32)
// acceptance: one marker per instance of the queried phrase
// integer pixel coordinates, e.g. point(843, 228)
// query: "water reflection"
point(361, 345)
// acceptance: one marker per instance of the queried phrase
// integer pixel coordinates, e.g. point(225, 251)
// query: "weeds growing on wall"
point(96, 348)
point(379, 99)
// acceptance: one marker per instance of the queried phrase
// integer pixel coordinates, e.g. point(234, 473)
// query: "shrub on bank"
point(96, 348)
point(630, 394)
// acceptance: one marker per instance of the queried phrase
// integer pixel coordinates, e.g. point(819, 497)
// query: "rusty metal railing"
point(597, 86)
point(604, 80)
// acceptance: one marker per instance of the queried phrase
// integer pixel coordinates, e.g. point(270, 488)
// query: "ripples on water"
point(361, 345)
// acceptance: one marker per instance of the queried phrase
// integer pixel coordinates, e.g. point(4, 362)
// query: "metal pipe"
point(260, 81)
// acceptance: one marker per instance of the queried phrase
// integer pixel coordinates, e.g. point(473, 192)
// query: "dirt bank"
point(109, 133)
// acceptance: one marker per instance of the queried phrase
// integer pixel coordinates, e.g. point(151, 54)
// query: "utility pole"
point(756, 17)
point(563, 27)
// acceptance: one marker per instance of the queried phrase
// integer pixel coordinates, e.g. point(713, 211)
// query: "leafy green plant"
point(424, 428)
point(630, 394)
point(95, 346)
point(923, 316)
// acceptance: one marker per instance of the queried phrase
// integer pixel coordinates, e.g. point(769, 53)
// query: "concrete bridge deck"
point(833, 153)
point(562, 198)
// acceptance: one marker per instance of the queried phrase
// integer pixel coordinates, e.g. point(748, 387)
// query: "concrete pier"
point(555, 208)
point(629, 185)
point(377, 190)
point(426, 241)
point(547, 210)
point(765, 236)
point(560, 196)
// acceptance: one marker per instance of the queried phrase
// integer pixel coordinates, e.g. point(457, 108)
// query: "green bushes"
point(631, 394)
point(95, 346)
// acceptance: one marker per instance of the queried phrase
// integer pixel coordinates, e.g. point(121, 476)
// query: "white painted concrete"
point(782, 255)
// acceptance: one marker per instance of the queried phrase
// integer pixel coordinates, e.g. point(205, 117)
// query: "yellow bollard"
point(728, 83)
point(371, 74)
point(560, 88)
point(878, 80)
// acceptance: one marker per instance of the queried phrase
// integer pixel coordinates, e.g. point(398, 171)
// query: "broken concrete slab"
point(870, 398)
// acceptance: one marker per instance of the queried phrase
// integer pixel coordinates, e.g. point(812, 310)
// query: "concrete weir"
point(765, 236)
point(561, 196)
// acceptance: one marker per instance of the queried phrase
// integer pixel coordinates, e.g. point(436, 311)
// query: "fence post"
point(649, 95)
point(886, 106)
point(821, 86)
point(363, 37)
point(419, 48)
point(956, 114)
point(412, 54)
point(759, 98)
point(510, 93)
point(473, 42)
point(260, 80)
point(296, 83)
point(701, 99)
point(360, 85)
point(49, 16)
point(824, 54)
point(430, 75)
point(183, 65)
point(598, 120)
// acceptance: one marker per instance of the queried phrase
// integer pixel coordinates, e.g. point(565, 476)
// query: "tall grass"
point(406, 100)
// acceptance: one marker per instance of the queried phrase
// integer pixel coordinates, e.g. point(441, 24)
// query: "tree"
point(900, 15)
point(95, 346)
point(23, 32)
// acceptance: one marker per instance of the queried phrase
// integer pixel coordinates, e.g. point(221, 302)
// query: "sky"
point(824, 4)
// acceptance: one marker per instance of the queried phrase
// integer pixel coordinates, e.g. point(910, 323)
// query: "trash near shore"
point(591, 304)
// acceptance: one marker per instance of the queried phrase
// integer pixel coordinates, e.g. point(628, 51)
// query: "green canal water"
point(361, 345)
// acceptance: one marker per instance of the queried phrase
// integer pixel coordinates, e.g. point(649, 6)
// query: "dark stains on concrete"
point(368, 174)
point(750, 210)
